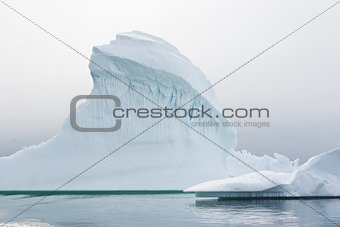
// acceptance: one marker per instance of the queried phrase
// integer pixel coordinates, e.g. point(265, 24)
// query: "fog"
point(297, 80)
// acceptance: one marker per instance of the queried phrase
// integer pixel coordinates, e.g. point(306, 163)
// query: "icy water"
point(163, 209)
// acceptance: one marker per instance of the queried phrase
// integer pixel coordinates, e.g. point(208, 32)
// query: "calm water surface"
point(164, 210)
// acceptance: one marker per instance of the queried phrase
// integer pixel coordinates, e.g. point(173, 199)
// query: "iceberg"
point(167, 156)
point(318, 177)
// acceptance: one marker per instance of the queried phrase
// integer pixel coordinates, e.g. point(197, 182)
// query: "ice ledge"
point(318, 177)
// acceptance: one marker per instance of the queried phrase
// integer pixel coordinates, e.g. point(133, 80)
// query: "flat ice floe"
point(319, 176)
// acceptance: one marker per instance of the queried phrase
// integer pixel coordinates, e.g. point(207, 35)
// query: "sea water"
point(163, 209)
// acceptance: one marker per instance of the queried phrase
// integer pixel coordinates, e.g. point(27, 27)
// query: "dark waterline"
point(89, 192)
point(153, 192)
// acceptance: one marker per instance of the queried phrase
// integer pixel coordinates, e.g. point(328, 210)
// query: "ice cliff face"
point(168, 156)
point(161, 73)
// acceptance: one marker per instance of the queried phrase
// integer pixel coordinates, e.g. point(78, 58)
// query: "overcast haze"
point(298, 80)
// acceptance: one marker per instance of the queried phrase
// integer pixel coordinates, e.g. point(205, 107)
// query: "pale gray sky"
point(298, 80)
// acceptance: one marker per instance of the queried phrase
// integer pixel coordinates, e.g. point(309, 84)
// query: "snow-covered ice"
point(319, 176)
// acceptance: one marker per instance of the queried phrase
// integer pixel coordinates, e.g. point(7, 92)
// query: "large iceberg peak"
point(168, 156)
point(153, 52)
